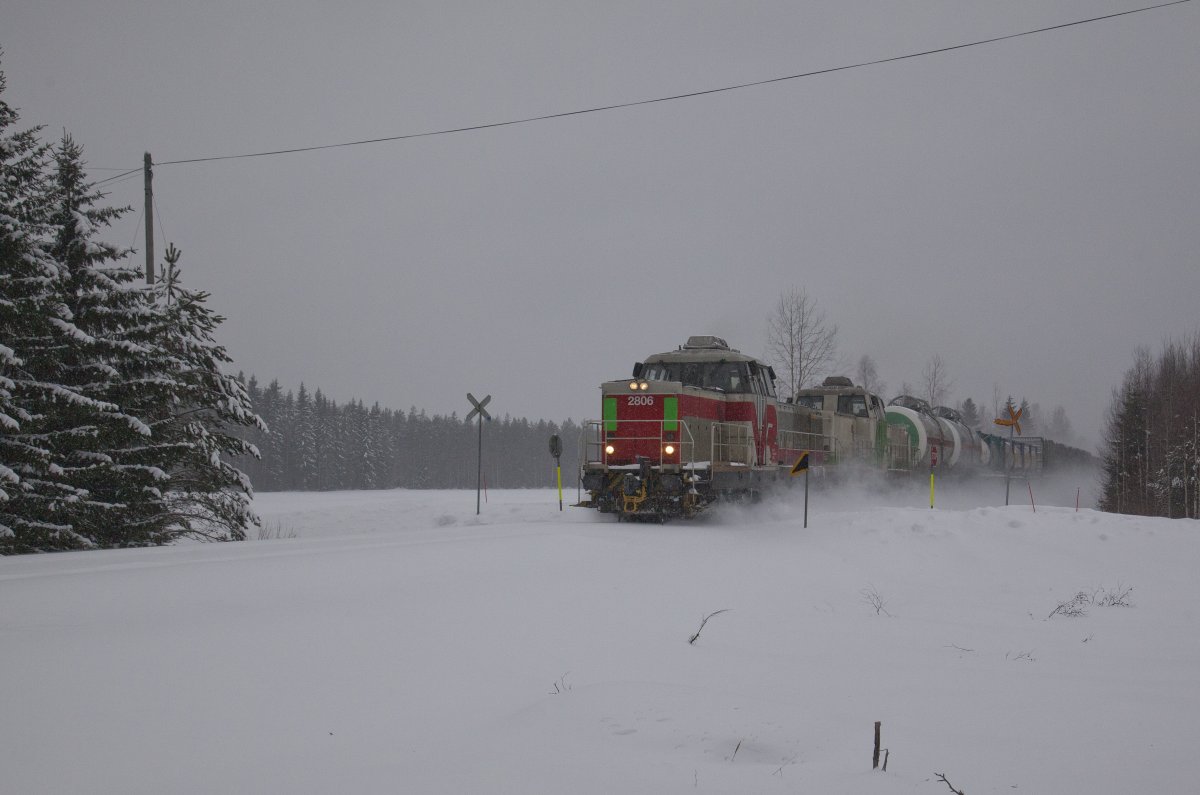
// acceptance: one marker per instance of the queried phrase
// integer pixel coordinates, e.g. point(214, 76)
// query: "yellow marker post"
point(933, 456)
point(558, 472)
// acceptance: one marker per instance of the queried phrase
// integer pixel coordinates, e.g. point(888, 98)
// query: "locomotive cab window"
point(852, 404)
point(720, 376)
point(768, 388)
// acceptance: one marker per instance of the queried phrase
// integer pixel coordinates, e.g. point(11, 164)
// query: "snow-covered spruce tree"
point(104, 453)
point(206, 496)
point(37, 336)
point(155, 471)
point(25, 274)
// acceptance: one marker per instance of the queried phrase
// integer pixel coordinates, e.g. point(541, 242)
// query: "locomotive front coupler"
point(633, 484)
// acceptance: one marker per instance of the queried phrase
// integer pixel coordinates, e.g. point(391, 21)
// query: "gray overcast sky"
point(1026, 209)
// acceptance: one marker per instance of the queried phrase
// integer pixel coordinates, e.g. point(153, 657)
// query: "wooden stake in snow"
point(875, 758)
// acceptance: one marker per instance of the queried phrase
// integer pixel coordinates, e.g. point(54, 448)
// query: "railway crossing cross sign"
point(479, 408)
point(481, 412)
point(1014, 418)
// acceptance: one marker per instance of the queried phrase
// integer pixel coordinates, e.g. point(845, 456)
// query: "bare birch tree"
point(936, 380)
point(867, 375)
point(800, 340)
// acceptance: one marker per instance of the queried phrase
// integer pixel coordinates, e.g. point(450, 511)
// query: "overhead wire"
point(126, 178)
point(118, 176)
point(674, 97)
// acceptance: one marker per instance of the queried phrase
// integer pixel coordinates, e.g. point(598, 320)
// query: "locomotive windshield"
point(722, 376)
point(852, 404)
point(811, 401)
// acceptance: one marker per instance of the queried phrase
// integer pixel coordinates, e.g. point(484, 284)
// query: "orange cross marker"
point(1014, 419)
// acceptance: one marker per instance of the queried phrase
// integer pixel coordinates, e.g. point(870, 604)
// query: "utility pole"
point(148, 177)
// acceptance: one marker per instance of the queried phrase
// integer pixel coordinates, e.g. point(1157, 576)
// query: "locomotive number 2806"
point(640, 400)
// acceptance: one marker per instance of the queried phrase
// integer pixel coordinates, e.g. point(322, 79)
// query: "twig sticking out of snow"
point(942, 778)
point(1076, 606)
point(1116, 597)
point(1073, 607)
point(872, 597)
point(704, 621)
point(561, 685)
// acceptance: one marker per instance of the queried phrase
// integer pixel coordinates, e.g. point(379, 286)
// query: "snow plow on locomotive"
point(703, 423)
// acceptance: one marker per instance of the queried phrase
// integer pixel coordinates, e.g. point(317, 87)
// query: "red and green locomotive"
point(702, 423)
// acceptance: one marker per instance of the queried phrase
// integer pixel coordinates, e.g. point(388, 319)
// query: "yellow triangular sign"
point(801, 464)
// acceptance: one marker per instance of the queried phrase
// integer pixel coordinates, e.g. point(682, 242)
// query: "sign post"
point(556, 451)
point(483, 415)
point(1013, 422)
point(801, 465)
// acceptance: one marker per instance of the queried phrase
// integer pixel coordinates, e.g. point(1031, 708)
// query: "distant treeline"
point(314, 444)
point(1152, 444)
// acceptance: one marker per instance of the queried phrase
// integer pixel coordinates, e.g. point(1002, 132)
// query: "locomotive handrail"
point(900, 456)
point(730, 436)
point(728, 443)
point(793, 443)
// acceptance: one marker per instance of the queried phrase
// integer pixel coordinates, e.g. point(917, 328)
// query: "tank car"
point(931, 439)
point(969, 449)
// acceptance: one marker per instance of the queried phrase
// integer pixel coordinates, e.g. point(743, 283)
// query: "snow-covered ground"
point(399, 643)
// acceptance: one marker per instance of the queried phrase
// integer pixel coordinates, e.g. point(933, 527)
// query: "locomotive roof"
point(702, 349)
point(834, 385)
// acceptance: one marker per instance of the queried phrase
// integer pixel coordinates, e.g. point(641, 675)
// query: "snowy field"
point(398, 643)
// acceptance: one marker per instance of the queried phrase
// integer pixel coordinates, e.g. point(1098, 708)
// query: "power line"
point(118, 176)
point(599, 109)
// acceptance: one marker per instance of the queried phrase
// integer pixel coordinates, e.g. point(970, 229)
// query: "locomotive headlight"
point(609, 449)
point(669, 449)
point(633, 385)
point(643, 386)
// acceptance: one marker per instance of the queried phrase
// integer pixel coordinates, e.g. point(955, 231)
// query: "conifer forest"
point(1151, 458)
point(315, 444)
